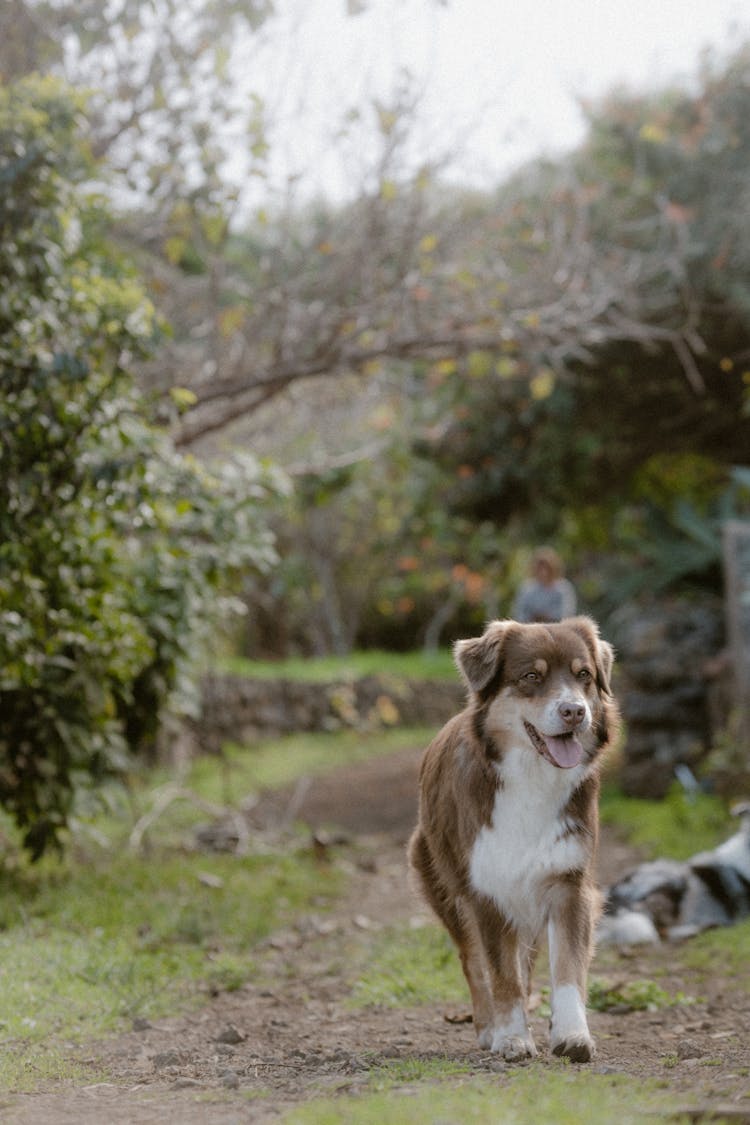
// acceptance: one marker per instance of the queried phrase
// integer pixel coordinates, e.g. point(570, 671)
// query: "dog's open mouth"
point(562, 750)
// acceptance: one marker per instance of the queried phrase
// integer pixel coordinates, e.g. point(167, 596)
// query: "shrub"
point(113, 549)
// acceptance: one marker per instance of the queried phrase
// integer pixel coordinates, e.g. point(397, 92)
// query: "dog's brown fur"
point(508, 821)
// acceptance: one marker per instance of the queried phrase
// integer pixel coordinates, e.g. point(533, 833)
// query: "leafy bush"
point(632, 996)
point(112, 548)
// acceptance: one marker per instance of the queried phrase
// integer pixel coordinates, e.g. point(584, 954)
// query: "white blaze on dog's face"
point(540, 686)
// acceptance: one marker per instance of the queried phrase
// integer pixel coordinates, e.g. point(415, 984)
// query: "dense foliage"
point(112, 548)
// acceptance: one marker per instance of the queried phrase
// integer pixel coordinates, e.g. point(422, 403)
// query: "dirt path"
point(290, 1034)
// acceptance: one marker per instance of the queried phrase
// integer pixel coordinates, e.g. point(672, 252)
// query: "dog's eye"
point(531, 678)
point(585, 676)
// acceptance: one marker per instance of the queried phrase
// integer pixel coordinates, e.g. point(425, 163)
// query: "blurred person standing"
point(547, 595)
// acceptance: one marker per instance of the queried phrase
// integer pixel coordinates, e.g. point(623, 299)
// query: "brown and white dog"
point(508, 823)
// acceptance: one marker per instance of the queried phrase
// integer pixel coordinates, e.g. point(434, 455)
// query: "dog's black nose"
point(572, 714)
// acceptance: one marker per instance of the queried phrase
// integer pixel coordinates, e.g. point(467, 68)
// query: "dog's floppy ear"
point(479, 659)
point(606, 658)
point(604, 654)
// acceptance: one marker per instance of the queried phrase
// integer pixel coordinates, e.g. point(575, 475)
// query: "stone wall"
point(236, 709)
point(669, 679)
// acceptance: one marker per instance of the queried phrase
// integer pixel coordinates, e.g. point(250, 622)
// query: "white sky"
point(499, 79)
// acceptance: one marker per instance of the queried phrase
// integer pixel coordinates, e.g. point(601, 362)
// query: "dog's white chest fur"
point(528, 840)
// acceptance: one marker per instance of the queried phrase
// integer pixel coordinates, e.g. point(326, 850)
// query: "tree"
point(578, 332)
point(577, 367)
point(112, 548)
point(632, 256)
point(248, 321)
point(162, 111)
point(158, 76)
point(624, 243)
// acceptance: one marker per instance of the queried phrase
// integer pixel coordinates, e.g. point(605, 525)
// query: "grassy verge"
point(729, 948)
point(676, 827)
point(405, 967)
point(242, 771)
point(108, 935)
point(408, 665)
point(279, 761)
point(522, 1097)
point(87, 946)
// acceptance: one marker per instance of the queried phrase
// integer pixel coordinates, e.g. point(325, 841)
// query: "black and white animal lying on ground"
point(670, 900)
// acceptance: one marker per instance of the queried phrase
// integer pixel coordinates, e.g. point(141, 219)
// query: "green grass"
point(727, 947)
point(407, 967)
point(242, 771)
point(676, 827)
point(25, 1066)
point(563, 1095)
point(84, 947)
point(407, 665)
point(108, 935)
point(279, 761)
point(403, 1072)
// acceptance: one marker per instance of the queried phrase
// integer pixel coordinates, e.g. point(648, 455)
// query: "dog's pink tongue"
point(565, 750)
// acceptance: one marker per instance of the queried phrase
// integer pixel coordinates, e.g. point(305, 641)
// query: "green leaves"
point(113, 549)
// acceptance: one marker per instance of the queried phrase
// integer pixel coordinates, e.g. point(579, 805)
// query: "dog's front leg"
point(507, 1032)
point(570, 942)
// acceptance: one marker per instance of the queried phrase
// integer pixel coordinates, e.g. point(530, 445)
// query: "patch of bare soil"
point(290, 1035)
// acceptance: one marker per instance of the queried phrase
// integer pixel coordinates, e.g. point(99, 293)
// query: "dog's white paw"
point(508, 1036)
point(579, 1048)
point(569, 1032)
point(513, 1048)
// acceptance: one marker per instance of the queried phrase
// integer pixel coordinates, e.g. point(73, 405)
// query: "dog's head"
point(545, 687)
